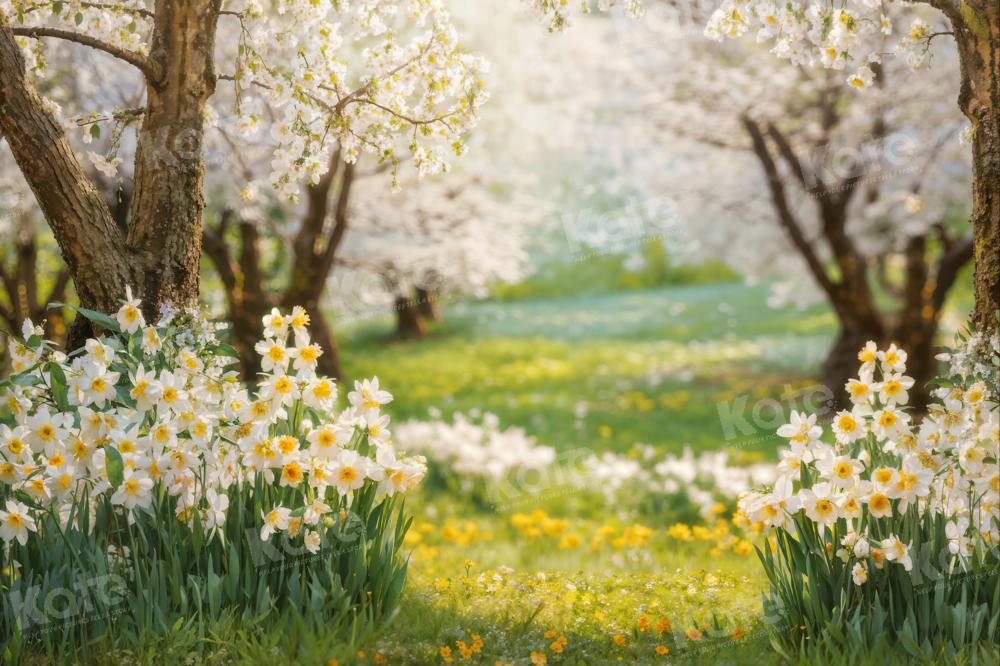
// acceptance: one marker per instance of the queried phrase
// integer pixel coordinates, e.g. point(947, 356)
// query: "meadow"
point(598, 371)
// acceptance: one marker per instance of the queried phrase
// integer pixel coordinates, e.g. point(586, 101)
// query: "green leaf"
point(115, 465)
point(95, 131)
point(78, 18)
point(98, 318)
point(59, 386)
point(57, 7)
point(24, 379)
point(223, 349)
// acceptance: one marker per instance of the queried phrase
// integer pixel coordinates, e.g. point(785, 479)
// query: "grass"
point(601, 371)
point(651, 366)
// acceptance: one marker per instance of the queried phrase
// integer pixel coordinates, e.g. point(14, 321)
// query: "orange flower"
point(662, 650)
point(550, 634)
point(464, 650)
point(663, 626)
point(693, 634)
point(738, 633)
point(445, 653)
point(643, 624)
point(619, 639)
point(539, 658)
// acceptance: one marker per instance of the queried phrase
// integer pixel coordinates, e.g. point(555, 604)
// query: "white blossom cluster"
point(978, 358)
point(450, 235)
point(474, 450)
point(153, 412)
point(382, 77)
point(705, 479)
point(885, 473)
point(559, 12)
point(388, 78)
point(856, 33)
point(900, 140)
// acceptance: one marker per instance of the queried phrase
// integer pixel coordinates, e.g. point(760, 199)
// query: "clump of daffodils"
point(141, 474)
point(150, 418)
point(894, 513)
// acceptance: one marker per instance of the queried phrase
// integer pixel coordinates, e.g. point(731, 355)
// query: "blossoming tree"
point(454, 235)
point(323, 231)
point(386, 78)
point(838, 36)
point(833, 194)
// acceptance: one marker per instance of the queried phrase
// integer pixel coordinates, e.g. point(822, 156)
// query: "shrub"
point(890, 535)
point(143, 488)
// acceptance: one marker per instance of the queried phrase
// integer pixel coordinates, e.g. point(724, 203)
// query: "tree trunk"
point(246, 299)
point(168, 197)
point(920, 362)
point(409, 322)
point(978, 38)
point(321, 333)
point(92, 245)
point(22, 287)
point(428, 305)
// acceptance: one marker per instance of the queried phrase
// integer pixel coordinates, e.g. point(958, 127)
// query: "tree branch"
point(808, 182)
point(340, 220)
point(784, 213)
point(145, 65)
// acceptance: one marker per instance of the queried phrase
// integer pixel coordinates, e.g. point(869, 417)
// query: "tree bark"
point(313, 252)
point(168, 197)
point(841, 363)
point(409, 323)
point(848, 289)
point(315, 249)
point(427, 303)
point(92, 245)
point(319, 330)
point(977, 34)
point(246, 299)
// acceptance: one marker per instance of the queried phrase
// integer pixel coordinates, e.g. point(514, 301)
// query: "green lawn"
point(650, 366)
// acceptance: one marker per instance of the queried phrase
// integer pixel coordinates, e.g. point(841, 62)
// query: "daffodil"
point(16, 522)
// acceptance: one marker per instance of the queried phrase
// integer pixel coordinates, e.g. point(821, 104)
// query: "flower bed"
point(143, 487)
point(892, 534)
